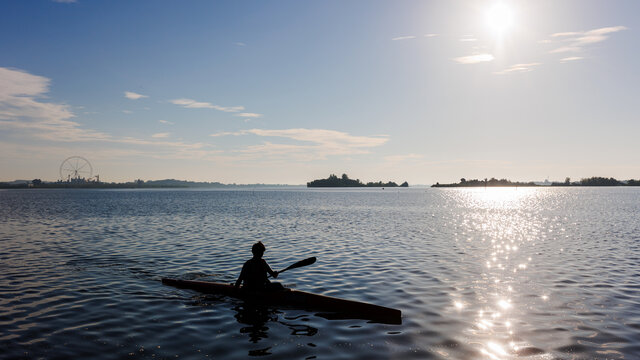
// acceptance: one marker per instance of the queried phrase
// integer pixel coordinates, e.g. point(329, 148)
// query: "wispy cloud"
point(160, 135)
point(193, 104)
point(430, 35)
point(571, 58)
point(577, 40)
point(563, 49)
point(312, 143)
point(165, 122)
point(65, 1)
point(248, 115)
point(133, 96)
point(328, 138)
point(22, 109)
point(518, 68)
point(241, 44)
point(227, 133)
point(127, 111)
point(474, 59)
point(403, 37)
point(468, 38)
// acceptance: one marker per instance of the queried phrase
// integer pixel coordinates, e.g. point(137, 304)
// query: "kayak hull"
point(297, 298)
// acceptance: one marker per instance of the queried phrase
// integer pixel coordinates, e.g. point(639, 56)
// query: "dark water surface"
point(478, 274)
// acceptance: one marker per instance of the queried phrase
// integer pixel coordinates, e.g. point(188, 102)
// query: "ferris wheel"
point(75, 168)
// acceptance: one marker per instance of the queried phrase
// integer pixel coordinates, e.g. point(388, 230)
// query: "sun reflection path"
point(500, 235)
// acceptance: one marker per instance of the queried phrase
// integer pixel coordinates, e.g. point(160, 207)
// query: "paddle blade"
point(301, 263)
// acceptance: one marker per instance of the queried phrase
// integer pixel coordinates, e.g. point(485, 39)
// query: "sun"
point(499, 18)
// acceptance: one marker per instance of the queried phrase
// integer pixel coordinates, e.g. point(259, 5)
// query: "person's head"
point(258, 249)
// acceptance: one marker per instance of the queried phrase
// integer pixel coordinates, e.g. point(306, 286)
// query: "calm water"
point(493, 274)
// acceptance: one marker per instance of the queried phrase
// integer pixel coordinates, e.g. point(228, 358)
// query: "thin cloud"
point(564, 49)
point(134, 96)
point(577, 40)
point(314, 143)
point(227, 133)
point(474, 59)
point(160, 135)
point(193, 104)
point(571, 58)
point(329, 138)
point(468, 38)
point(403, 37)
point(430, 35)
point(568, 33)
point(127, 111)
point(518, 68)
point(241, 44)
point(248, 115)
point(165, 122)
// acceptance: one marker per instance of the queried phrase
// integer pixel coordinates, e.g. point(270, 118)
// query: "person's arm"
point(271, 272)
point(241, 277)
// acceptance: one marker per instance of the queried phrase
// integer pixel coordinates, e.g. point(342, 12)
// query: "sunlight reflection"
point(494, 350)
point(503, 237)
point(505, 198)
point(504, 304)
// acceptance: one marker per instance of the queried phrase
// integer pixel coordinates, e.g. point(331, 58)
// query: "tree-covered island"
point(493, 182)
point(344, 181)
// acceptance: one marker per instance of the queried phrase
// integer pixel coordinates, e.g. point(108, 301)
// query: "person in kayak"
point(254, 272)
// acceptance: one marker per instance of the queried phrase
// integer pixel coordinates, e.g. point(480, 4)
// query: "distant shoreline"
point(493, 182)
point(138, 184)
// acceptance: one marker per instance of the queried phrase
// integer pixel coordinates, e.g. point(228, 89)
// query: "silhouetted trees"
point(592, 181)
point(344, 181)
point(600, 181)
point(493, 182)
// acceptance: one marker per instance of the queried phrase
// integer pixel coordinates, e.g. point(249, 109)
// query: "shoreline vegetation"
point(331, 181)
point(493, 182)
point(137, 184)
point(344, 181)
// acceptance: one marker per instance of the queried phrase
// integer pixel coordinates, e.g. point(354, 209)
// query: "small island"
point(344, 181)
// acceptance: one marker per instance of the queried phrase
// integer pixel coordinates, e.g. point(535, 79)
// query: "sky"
point(284, 92)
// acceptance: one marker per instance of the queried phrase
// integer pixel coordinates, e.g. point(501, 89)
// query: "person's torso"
point(255, 274)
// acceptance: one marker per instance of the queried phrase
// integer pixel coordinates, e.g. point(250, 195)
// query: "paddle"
point(300, 263)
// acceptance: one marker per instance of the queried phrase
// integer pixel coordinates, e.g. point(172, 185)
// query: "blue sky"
point(290, 91)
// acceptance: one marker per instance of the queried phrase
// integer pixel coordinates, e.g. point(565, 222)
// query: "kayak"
point(343, 308)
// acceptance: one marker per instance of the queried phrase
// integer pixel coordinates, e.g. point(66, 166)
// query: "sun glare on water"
point(499, 18)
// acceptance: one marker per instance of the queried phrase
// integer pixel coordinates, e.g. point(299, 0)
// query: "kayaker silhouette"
point(254, 272)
